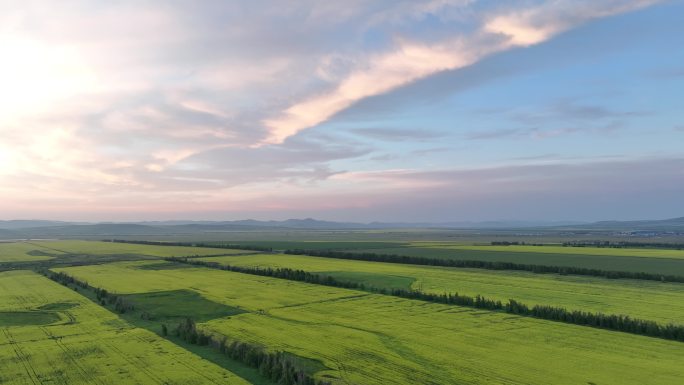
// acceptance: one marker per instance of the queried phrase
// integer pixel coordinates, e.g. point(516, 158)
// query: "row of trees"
point(194, 244)
point(276, 366)
point(563, 270)
point(625, 244)
point(119, 303)
point(606, 321)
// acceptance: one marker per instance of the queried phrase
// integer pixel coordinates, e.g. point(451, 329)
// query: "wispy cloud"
point(412, 60)
point(130, 105)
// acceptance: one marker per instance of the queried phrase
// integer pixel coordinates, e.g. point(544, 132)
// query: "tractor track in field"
point(185, 364)
point(22, 358)
point(58, 341)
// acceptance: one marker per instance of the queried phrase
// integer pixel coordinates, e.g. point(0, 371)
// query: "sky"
point(362, 110)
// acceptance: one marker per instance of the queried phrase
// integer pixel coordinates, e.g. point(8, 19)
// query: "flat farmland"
point(633, 260)
point(22, 252)
point(52, 335)
point(548, 249)
point(374, 339)
point(658, 301)
point(110, 248)
point(24, 255)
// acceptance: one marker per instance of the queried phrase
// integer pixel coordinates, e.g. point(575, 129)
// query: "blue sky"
point(368, 110)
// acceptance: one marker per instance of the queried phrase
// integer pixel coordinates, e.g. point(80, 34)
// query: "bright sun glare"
point(34, 75)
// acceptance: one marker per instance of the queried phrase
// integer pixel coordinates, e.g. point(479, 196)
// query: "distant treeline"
point(514, 243)
point(410, 260)
point(625, 244)
point(194, 244)
point(276, 366)
point(605, 321)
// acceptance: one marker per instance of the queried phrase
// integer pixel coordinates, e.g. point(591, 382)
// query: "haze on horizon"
point(412, 111)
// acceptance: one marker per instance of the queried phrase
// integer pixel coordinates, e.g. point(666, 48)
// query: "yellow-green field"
point(373, 339)
point(652, 261)
point(22, 252)
point(90, 251)
point(74, 341)
point(658, 301)
point(102, 248)
point(618, 252)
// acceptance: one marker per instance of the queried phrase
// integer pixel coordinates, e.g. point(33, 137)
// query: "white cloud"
point(410, 61)
point(123, 97)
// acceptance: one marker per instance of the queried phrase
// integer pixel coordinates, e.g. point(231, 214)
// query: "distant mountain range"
point(15, 229)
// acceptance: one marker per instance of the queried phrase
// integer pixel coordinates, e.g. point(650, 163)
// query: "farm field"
point(547, 249)
point(621, 262)
point(21, 255)
point(375, 339)
point(22, 252)
point(108, 248)
point(658, 301)
point(70, 340)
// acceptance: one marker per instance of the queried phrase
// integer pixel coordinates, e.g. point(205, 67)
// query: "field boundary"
point(621, 323)
point(463, 263)
point(277, 366)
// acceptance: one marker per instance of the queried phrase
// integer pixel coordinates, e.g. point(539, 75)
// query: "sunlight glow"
point(34, 75)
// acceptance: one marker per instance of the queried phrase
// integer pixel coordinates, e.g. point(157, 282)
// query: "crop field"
point(22, 252)
point(114, 248)
point(621, 260)
point(52, 335)
point(19, 255)
point(362, 338)
point(658, 301)
point(547, 249)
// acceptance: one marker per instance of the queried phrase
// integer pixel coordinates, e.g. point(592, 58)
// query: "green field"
point(48, 253)
point(621, 262)
point(546, 249)
point(375, 339)
point(22, 252)
point(658, 301)
point(70, 340)
point(115, 248)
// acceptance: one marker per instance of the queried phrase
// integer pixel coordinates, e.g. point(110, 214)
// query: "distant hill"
point(24, 224)
point(673, 224)
point(56, 229)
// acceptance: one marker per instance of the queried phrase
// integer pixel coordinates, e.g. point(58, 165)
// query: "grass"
point(88, 344)
point(625, 262)
point(658, 301)
point(375, 339)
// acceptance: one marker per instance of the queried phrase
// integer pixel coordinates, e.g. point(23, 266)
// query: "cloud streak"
point(231, 104)
point(411, 60)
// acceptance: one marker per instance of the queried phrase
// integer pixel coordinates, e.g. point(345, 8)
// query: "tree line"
point(621, 323)
point(490, 265)
point(119, 303)
point(194, 244)
point(625, 244)
point(276, 366)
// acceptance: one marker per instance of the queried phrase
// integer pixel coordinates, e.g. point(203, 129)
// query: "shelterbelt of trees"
point(605, 321)
point(194, 244)
point(427, 261)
